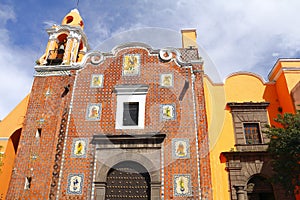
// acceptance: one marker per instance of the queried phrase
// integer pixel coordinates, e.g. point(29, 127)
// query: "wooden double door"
point(128, 180)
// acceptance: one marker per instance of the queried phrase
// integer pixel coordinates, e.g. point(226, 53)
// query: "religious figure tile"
point(180, 148)
point(182, 185)
point(131, 64)
point(93, 112)
point(79, 147)
point(75, 183)
point(166, 80)
point(168, 112)
point(97, 81)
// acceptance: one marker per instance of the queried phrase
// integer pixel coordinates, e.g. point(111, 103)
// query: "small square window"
point(131, 106)
point(130, 113)
point(252, 133)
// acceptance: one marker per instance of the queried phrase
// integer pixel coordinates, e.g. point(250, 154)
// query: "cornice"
point(277, 64)
point(247, 105)
point(230, 154)
point(131, 89)
point(165, 54)
point(148, 138)
point(248, 74)
point(51, 68)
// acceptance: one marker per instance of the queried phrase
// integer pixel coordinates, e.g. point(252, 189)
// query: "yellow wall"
point(6, 169)
point(239, 87)
point(216, 117)
point(243, 87)
point(10, 124)
point(284, 96)
point(14, 120)
point(285, 75)
point(189, 37)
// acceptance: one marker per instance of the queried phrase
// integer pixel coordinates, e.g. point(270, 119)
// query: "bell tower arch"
point(67, 43)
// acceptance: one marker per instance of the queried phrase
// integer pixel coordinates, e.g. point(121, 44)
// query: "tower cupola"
point(73, 18)
point(67, 42)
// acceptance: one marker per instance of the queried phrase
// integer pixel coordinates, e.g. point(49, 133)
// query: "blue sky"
point(247, 35)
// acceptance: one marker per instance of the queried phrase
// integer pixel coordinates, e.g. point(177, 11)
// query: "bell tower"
point(67, 42)
point(39, 157)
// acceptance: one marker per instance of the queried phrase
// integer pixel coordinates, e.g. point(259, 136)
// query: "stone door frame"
point(144, 149)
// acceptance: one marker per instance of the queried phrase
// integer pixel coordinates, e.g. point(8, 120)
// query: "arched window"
point(55, 56)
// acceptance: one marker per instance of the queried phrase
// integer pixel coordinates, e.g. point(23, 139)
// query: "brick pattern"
point(35, 157)
point(58, 155)
point(203, 140)
point(189, 124)
point(189, 54)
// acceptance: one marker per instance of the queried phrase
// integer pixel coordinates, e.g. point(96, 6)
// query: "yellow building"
point(238, 111)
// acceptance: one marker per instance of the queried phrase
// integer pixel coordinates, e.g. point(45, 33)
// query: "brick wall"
point(64, 121)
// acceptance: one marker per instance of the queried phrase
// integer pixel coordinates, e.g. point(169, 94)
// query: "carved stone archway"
point(258, 188)
point(243, 166)
point(142, 149)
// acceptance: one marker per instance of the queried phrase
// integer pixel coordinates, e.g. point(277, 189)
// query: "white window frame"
point(131, 93)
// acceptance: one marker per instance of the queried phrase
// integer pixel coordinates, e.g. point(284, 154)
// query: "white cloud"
point(14, 63)
point(245, 33)
point(237, 35)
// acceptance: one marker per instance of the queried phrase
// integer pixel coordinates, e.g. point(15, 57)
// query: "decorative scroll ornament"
point(165, 54)
point(96, 58)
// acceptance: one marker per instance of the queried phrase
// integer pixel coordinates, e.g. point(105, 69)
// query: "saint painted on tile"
point(182, 185)
point(181, 148)
point(75, 182)
point(131, 64)
point(166, 80)
point(93, 112)
point(97, 81)
point(168, 111)
point(79, 147)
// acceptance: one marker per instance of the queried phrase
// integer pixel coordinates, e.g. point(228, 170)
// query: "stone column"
point(155, 190)
point(52, 44)
point(240, 192)
point(66, 58)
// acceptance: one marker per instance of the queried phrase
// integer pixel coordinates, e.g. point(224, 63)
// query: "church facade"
point(127, 124)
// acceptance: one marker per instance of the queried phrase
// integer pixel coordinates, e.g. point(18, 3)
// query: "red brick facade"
point(35, 156)
point(60, 104)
